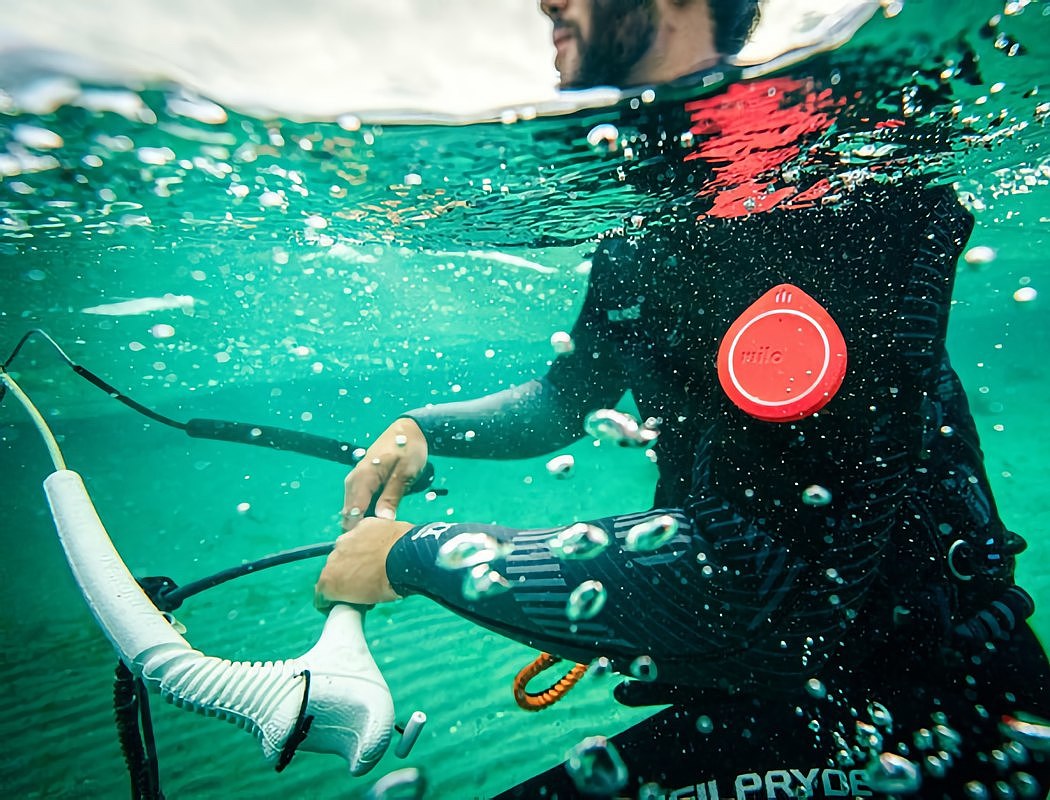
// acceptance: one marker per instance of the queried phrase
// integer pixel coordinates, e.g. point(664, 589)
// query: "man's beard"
point(622, 31)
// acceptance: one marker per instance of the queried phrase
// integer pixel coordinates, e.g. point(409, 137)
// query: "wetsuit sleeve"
point(542, 414)
point(757, 587)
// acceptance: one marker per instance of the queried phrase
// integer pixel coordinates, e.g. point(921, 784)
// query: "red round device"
point(783, 358)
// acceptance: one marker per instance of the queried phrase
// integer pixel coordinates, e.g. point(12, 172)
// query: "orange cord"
point(537, 701)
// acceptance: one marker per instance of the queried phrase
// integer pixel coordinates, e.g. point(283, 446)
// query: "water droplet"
point(483, 581)
point(162, 331)
point(561, 466)
point(562, 343)
point(893, 774)
point(816, 495)
point(579, 541)
point(470, 550)
point(586, 601)
point(596, 767)
point(644, 669)
point(401, 440)
point(604, 137)
point(651, 533)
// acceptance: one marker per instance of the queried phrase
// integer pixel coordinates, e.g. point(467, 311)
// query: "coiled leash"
point(537, 701)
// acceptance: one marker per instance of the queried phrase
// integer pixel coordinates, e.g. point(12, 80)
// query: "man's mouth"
point(562, 36)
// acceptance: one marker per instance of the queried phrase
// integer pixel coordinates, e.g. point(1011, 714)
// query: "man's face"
point(598, 42)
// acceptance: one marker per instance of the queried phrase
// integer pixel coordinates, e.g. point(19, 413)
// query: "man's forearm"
point(524, 421)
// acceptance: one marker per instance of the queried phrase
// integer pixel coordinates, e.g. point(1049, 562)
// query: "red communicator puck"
point(783, 358)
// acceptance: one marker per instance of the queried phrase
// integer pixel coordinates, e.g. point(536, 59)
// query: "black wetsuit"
point(759, 593)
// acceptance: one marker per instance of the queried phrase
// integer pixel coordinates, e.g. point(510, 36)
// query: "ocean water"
point(324, 271)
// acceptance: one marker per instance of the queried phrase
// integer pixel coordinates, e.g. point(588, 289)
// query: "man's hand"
point(390, 466)
point(356, 569)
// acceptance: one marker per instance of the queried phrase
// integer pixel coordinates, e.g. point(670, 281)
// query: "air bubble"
point(162, 331)
point(562, 343)
point(604, 137)
point(652, 533)
point(483, 581)
point(975, 790)
point(561, 466)
point(1026, 294)
point(893, 774)
point(586, 601)
point(868, 736)
point(948, 739)
point(1031, 731)
point(272, 200)
point(979, 255)
point(704, 724)
point(880, 715)
point(596, 767)
point(609, 425)
point(816, 496)
point(401, 784)
point(644, 669)
point(816, 689)
point(37, 138)
point(579, 541)
point(470, 550)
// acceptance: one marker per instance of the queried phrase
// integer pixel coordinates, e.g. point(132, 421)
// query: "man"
point(824, 552)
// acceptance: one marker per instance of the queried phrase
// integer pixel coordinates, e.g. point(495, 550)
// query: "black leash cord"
point(170, 599)
point(269, 436)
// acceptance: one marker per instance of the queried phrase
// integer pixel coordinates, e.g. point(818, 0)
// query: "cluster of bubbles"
point(933, 750)
point(475, 553)
point(621, 428)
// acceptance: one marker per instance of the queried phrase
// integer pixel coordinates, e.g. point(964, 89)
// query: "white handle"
point(349, 701)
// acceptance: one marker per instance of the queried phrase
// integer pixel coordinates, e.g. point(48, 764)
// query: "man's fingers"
point(393, 492)
point(360, 486)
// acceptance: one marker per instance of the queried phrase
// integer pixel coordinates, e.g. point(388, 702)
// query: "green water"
point(340, 275)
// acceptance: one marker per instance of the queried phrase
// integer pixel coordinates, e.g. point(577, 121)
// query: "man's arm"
point(535, 417)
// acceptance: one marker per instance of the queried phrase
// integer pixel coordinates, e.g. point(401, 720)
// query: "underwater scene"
point(325, 269)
